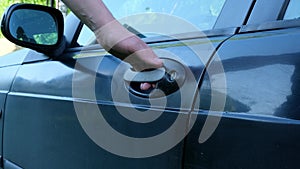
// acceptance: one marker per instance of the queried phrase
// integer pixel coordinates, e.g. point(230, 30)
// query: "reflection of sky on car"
point(202, 13)
point(262, 100)
point(293, 11)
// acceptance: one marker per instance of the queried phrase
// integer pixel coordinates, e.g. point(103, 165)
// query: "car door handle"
point(167, 80)
point(144, 76)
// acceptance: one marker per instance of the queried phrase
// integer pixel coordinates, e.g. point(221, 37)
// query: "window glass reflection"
point(202, 14)
point(293, 10)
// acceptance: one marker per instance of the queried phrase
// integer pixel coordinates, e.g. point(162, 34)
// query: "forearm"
point(93, 13)
point(112, 35)
point(99, 19)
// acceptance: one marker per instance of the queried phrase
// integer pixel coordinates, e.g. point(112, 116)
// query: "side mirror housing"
point(36, 27)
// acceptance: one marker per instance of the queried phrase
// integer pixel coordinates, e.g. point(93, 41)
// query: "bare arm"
point(113, 36)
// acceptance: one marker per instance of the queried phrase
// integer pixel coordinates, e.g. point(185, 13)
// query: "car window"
point(201, 13)
point(86, 36)
point(293, 10)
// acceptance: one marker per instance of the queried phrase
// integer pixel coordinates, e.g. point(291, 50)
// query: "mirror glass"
point(33, 26)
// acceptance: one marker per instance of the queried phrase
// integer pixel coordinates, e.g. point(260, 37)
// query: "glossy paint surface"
point(259, 125)
point(53, 125)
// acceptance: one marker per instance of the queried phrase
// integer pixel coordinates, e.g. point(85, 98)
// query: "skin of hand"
point(114, 37)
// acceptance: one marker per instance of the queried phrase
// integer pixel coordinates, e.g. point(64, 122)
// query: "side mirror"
point(36, 27)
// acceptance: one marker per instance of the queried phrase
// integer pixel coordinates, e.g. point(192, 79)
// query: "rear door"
point(258, 126)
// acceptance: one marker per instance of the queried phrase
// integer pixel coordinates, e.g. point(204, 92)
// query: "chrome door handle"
point(167, 80)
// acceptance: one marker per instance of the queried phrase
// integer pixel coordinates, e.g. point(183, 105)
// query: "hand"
point(114, 37)
point(142, 57)
point(128, 47)
point(137, 53)
point(146, 86)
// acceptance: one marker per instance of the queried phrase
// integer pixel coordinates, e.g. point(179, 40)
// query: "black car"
point(227, 97)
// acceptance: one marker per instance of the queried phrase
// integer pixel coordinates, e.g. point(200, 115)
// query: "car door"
point(9, 65)
point(259, 125)
point(7, 74)
point(45, 128)
point(81, 111)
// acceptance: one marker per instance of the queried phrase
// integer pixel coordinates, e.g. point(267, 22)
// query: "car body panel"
point(244, 142)
point(14, 58)
point(7, 75)
point(53, 122)
point(44, 100)
point(193, 53)
point(20, 57)
point(259, 125)
point(56, 135)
